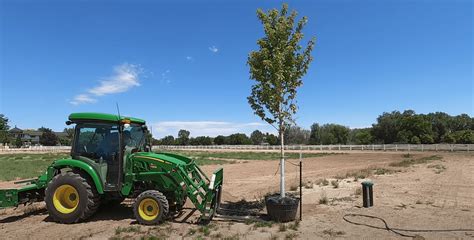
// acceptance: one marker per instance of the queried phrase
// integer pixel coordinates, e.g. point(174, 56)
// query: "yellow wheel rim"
point(66, 199)
point(148, 209)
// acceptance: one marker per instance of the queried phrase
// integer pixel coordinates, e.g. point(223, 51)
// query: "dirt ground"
point(436, 195)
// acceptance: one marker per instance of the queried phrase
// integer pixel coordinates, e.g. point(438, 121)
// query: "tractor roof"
point(75, 117)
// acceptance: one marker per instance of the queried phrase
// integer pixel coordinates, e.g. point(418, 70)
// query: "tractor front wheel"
point(70, 198)
point(150, 207)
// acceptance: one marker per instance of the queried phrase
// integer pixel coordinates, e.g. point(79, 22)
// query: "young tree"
point(277, 68)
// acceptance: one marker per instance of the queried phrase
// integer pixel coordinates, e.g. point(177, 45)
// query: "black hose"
point(397, 230)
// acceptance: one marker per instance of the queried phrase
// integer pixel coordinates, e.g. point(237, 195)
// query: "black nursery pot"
point(281, 209)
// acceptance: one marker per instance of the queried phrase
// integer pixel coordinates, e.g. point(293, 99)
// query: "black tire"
point(88, 198)
point(161, 203)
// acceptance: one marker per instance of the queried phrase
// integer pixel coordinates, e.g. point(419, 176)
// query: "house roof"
point(15, 130)
point(32, 133)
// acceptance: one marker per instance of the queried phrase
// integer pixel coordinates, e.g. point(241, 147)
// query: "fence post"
point(384, 147)
point(339, 147)
point(396, 147)
point(422, 147)
point(436, 147)
point(452, 148)
point(373, 149)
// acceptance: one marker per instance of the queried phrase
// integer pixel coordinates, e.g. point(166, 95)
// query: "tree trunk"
point(282, 163)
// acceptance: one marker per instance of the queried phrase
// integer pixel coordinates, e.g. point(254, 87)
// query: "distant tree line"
point(256, 138)
point(393, 127)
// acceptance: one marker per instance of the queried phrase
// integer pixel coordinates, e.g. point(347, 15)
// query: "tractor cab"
point(104, 141)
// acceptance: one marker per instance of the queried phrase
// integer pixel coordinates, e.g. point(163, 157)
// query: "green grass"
point(21, 166)
point(204, 157)
point(25, 165)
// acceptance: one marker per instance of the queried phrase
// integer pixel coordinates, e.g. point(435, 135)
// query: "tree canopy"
point(48, 138)
point(4, 127)
point(278, 66)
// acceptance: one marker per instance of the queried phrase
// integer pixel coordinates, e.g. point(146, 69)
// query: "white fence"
point(374, 147)
point(35, 149)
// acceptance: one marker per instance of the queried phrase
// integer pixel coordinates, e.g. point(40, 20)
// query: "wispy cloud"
point(83, 98)
point(213, 49)
point(207, 128)
point(189, 58)
point(164, 76)
point(125, 77)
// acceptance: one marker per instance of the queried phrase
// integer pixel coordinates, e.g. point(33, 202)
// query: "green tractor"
point(111, 159)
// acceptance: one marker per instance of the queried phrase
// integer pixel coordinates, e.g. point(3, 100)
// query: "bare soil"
point(437, 195)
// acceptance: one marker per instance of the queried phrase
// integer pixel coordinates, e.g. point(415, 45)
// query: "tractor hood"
point(163, 157)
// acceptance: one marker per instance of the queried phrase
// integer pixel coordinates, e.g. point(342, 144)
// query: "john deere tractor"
point(111, 159)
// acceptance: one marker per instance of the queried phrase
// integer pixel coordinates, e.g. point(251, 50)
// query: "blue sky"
point(182, 64)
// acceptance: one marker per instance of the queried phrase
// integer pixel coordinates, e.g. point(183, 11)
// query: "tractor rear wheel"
point(70, 198)
point(151, 207)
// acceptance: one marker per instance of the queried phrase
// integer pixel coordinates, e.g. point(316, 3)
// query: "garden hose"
point(397, 230)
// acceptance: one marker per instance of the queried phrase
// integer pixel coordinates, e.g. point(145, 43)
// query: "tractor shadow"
point(242, 208)
point(112, 212)
point(242, 211)
point(26, 213)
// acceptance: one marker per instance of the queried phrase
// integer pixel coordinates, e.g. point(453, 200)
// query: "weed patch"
point(127, 229)
point(383, 171)
point(262, 224)
point(333, 233)
point(358, 191)
point(438, 168)
point(295, 225)
point(290, 236)
point(323, 199)
point(410, 162)
point(322, 182)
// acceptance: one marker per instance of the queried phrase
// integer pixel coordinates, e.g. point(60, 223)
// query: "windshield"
point(97, 141)
point(134, 136)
